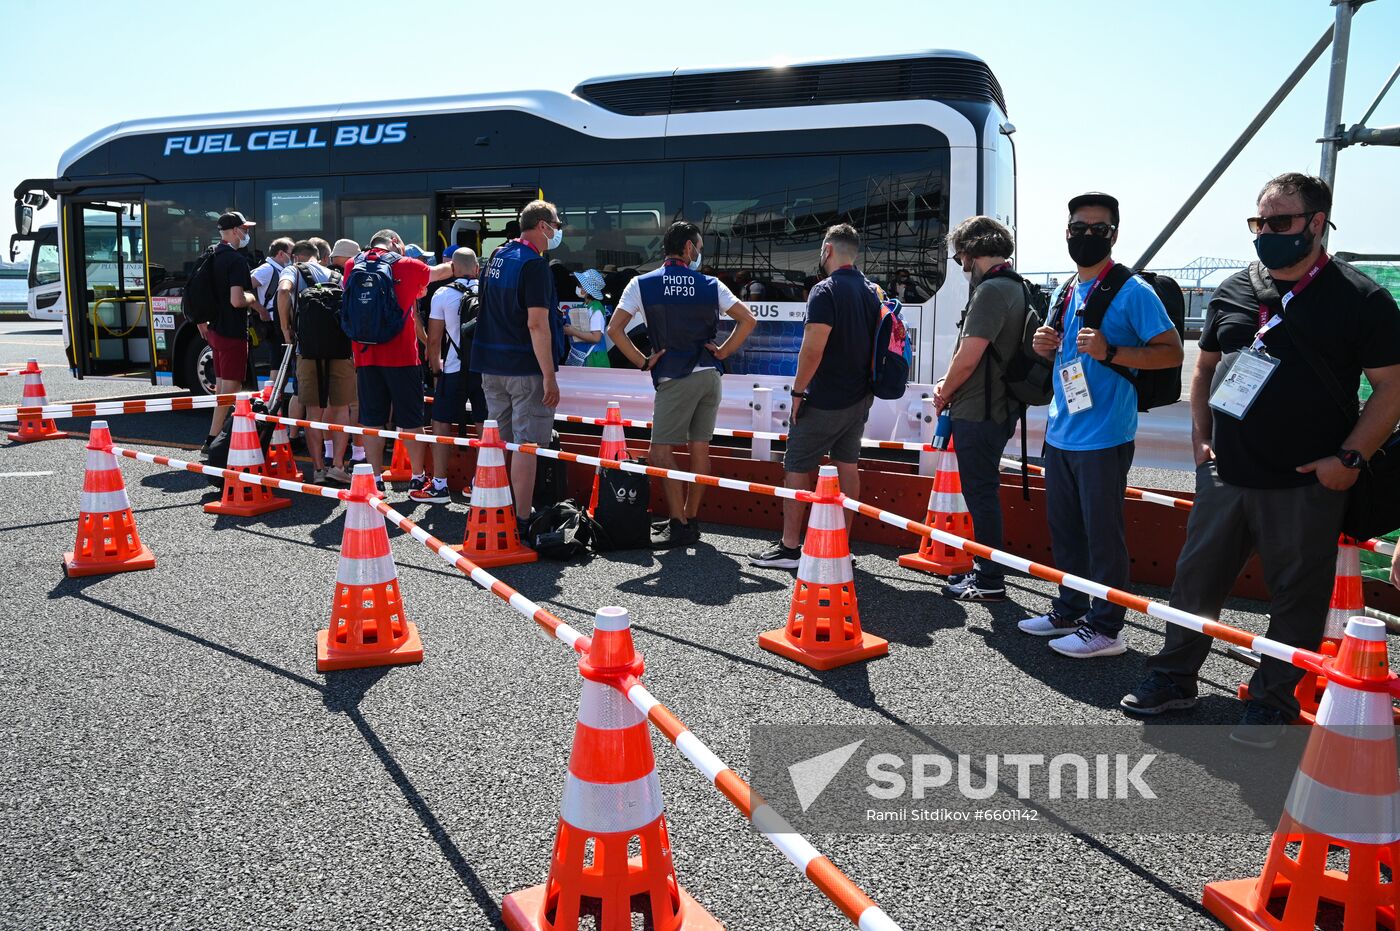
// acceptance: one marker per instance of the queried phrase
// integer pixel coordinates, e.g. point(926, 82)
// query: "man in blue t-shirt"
point(519, 342)
point(831, 392)
point(1091, 427)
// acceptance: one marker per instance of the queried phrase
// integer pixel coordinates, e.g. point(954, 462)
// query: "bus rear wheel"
point(197, 366)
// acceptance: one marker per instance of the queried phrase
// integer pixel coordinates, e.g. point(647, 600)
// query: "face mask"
point(1089, 250)
point(556, 239)
point(968, 271)
point(695, 265)
point(1280, 250)
point(243, 243)
point(581, 295)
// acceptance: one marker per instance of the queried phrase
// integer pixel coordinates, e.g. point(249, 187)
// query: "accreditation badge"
point(1235, 395)
point(1076, 387)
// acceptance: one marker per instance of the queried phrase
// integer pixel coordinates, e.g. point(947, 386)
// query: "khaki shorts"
point(516, 403)
point(686, 408)
point(340, 382)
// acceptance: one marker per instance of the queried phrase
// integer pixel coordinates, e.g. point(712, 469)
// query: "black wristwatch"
point(799, 394)
point(1351, 458)
point(1110, 353)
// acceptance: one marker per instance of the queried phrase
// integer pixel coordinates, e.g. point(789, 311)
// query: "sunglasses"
point(1103, 230)
point(1279, 223)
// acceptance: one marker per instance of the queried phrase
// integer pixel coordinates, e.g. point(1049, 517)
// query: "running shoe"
point(1088, 643)
point(425, 491)
point(777, 556)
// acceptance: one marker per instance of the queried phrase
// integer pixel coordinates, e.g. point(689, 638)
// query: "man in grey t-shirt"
point(973, 392)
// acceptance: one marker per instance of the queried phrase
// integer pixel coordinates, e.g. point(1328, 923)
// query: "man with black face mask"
point(1091, 425)
point(1275, 451)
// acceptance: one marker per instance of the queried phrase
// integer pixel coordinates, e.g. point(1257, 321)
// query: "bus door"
point(480, 218)
point(109, 300)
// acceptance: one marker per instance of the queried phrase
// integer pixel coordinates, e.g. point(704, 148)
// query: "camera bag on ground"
point(560, 531)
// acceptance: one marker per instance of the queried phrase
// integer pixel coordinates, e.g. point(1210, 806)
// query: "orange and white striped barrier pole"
point(129, 406)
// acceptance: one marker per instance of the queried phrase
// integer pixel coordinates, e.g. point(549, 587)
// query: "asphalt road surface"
point(173, 760)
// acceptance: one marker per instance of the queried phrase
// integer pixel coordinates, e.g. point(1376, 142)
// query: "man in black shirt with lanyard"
point(1275, 451)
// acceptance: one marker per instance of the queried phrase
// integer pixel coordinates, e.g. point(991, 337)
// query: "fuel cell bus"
point(763, 159)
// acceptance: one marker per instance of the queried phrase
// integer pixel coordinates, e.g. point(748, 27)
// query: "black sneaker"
point(969, 589)
point(777, 556)
point(379, 488)
point(1156, 694)
point(675, 533)
point(204, 449)
point(522, 527)
point(1260, 727)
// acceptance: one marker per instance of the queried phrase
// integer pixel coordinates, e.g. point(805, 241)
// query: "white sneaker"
point(1086, 643)
point(338, 475)
point(1052, 624)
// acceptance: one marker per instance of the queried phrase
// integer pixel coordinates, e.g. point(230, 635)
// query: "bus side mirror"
point(14, 248)
point(24, 219)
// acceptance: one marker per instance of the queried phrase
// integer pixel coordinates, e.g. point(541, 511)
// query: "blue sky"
point(1136, 97)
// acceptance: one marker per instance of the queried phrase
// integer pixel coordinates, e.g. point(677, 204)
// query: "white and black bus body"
point(764, 159)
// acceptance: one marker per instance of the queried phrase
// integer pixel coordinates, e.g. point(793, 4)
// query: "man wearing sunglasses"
point(1275, 450)
point(1092, 423)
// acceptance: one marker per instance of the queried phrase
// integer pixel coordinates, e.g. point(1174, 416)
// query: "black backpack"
point(1027, 374)
point(319, 333)
point(1155, 387)
point(560, 531)
point(623, 518)
point(468, 307)
point(199, 302)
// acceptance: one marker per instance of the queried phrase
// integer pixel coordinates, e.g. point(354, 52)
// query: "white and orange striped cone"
point(611, 796)
point(34, 427)
point(107, 539)
point(281, 463)
point(1347, 602)
point(947, 511)
point(493, 534)
point(823, 626)
point(1346, 795)
point(244, 499)
point(401, 467)
point(368, 626)
point(613, 446)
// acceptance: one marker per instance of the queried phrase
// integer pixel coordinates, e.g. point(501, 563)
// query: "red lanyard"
point(1069, 295)
point(1307, 279)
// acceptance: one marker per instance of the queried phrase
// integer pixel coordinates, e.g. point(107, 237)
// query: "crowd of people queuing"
point(495, 337)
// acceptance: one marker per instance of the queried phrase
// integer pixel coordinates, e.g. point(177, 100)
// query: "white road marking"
point(23, 474)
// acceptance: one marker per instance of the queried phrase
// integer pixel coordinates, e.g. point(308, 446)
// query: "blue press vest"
point(682, 313)
point(502, 345)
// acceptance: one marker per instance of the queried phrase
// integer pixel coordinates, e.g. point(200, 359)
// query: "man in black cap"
point(228, 334)
point(1092, 423)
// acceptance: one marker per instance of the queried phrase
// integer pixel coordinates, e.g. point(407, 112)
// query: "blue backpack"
point(369, 311)
point(893, 353)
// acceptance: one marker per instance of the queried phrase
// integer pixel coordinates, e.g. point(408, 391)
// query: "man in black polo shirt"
point(1275, 451)
point(831, 393)
point(228, 335)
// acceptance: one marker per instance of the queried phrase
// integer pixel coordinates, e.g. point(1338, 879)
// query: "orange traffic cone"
point(401, 467)
point(107, 538)
point(823, 626)
point(611, 797)
point(493, 535)
point(947, 511)
point(1347, 602)
point(614, 446)
point(368, 627)
point(243, 499)
point(280, 461)
point(1346, 795)
point(35, 426)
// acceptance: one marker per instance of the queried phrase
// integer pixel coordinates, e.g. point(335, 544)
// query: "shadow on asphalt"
point(341, 693)
point(74, 520)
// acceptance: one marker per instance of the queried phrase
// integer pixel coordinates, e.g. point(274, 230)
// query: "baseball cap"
point(345, 249)
point(1095, 199)
point(233, 220)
